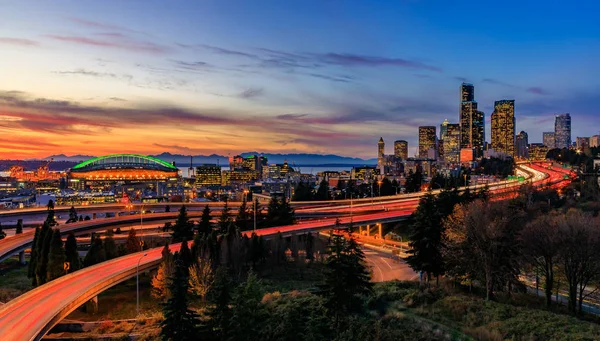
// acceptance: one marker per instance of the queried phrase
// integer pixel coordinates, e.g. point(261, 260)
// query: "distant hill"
point(298, 159)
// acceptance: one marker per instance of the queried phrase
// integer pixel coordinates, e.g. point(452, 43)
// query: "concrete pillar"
point(380, 231)
point(359, 230)
point(22, 257)
point(91, 306)
point(94, 216)
point(368, 230)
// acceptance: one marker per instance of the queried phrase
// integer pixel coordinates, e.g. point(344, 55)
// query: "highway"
point(32, 314)
point(385, 268)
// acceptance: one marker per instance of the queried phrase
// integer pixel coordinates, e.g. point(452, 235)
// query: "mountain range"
point(297, 159)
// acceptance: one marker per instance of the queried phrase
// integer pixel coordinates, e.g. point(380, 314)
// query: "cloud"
point(220, 50)
point(340, 79)
point(117, 99)
point(347, 59)
point(18, 41)
point(537, 90)
point(251, 93)
point(83, 72)
point(498, 82)
point(192, 66)
point(460, 79)
point(119, 43)
point(95, 24)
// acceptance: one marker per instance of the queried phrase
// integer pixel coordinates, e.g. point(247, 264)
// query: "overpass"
point(33, 314)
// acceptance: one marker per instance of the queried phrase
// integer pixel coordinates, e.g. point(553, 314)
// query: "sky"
point(323, 76)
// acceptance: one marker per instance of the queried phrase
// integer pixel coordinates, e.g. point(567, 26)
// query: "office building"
point(380, 152)
point(503, 127)
point(538, 151)
point(595, 141)
point(401, 149)
point(208, 175)
point(452, 143)
point(427, 141)
point(548, 140)
point(562, 131)
point(443, 131)
point(583, 142)
point(522, 143)
point(471, 121)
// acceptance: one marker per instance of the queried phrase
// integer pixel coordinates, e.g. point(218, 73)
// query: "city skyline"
point(91, 78)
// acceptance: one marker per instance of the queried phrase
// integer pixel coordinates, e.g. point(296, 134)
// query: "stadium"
point(123, 167)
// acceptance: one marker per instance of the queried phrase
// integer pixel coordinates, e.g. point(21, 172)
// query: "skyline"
point(91, 78)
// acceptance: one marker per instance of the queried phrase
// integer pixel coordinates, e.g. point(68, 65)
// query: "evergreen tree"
point(2, 233)
point(183, 229)
point(224, 219)
point(347, 278)
point(42, 263)
point(205, 226)
point(160, 282)
point(96, 253)
point(132, 244)
point(219, 312)
point(56, 257)
point(243, 216)
point(110, 247)
point(302, 192)
point(180, 323)
point(19, 228)
point(248, 314)
point(323, 191)
point(309, 245)
point(273, 211)
point(34, 256)
point(167, 209)
point(50, 220)
point(386, 188)
point(72, 215)
point(185, 254)
point(287, 215)
point(71, 254)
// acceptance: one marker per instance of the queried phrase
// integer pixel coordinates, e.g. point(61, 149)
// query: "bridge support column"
point(368, 230)
point(380, 231)
point(22, 257)
point(359, 230)
point(91, 306)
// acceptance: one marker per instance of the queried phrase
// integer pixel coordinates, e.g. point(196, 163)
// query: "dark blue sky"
point(289, 76)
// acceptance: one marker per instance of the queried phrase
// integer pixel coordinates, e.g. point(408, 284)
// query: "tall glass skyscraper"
point(562, 131)
point(503, 127)
point(452, 143)
point(548, 139)
point(522, 145)
point(427, 141)
point(401, 149)
point(471, 120)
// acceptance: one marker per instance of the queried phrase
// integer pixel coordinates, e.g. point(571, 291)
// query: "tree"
point(42, 263)
point(180, 323)
point(205, 226)
point(302, 192)
point(2, 233)
point(167, 208)
point(19, 228)
point(273, 211)
point(34, 256)
point(347, 278)
point(287, 215)
point(183, 229)
point(72, 215)
point(541, 245)
point(185, 254)
point(243, 217)
point(132, 244)
point(323, 191)
point(248, 314)
point(219, 312)
point(160, 282)
point(224, 219)
point(96, 253)
point(71, 253)
point(50, 220)
point(386, 188)
point(201, 278)
point(110, 248)
point(56, 257)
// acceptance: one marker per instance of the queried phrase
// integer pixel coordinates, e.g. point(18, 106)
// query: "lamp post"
point(137, 283)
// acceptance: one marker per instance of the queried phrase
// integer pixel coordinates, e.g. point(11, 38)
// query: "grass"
point(291, 276)
point(13, 279)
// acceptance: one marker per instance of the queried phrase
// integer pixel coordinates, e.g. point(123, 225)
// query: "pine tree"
point(96, 253)
point(185, 254)
point(71, 253)
point(50, 220)
point(287, 215)
point(180, 323)
point(302, 192)
point(242, 218)
point(133, 244)
point(205, 226)
point(2, 233)
point(323, 191)
point(42, 264)
point(309, 245)
point(273, 211)
point(19, 228)
point(219, 312)
point(34, 256)
point(224, 219)
point(56, 257)
point(72, 215)
point(110, 247)
point(160, 282)
point(183, 229)
point(248, 314)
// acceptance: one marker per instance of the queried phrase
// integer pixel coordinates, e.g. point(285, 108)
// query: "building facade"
point(427, 140)
point(538, 151)
point(452, 143)
point(562, 131)
point(595, 141)
point(522, 143)
point(208, 175)
point(548, 140)
point(471, 120)
point(380, 152)
point(583, 142)
point(503, 127)
point(401, 149)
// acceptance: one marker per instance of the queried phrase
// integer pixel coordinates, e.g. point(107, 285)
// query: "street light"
point(137, 283)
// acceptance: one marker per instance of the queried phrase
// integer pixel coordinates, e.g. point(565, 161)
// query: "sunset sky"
point(221, 76)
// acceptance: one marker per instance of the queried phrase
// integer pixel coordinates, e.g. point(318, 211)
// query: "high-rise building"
point(401, 149)
point(548, 140)
point(503, 127)
point(595, 141)
point(583, 142)
point(443, 131)
point(208, 175)
point(522, 145)
point(452, 143)
point(471, 120)
point(380, 152)
point(427, 140)
point(538, 151)
point(562, 131)
point(467, 92)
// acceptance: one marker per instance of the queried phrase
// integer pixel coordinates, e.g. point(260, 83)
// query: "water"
point(304, 169)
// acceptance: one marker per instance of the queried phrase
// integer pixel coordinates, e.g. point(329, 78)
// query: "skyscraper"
point(472, 128)
point(503, 127)
point(443, 131)
point(548, 140)
point(523, 145)
point(427, 140)
point(595, 141)
point(380, 152)
point(562, 130)
point(452, 143)
point(401, 149)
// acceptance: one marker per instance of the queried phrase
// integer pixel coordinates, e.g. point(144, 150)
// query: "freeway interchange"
point(31, 315)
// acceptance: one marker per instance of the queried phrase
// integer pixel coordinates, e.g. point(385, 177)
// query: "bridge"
point(33, 314)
